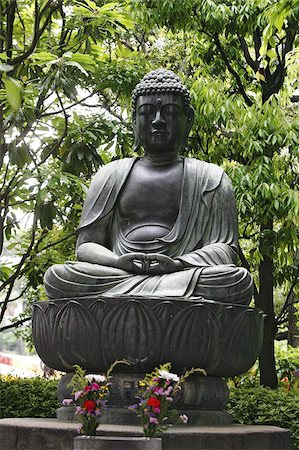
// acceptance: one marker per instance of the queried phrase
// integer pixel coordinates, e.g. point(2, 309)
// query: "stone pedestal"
point(49, 434)
point(224, 339)
point(116, 443)
point(94, 331)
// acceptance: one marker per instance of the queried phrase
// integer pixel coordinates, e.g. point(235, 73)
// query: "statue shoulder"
point(111, 170)
point(104, 189)
point(209, 174)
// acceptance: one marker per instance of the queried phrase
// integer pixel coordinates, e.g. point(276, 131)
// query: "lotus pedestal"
point(224, 339)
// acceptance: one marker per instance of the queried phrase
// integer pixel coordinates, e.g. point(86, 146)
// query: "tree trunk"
point(268, 375)
point(293, 330)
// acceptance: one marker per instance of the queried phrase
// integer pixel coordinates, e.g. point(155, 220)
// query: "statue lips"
point(158, 133)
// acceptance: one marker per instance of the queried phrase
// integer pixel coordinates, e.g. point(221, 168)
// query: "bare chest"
point(150, 199)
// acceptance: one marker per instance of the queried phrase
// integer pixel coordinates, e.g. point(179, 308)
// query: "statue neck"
point(161, 158)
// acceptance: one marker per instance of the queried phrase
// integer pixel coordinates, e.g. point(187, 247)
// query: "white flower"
point(96, 378)
point(168, 375)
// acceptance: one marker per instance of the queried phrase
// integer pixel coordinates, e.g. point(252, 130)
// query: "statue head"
point(160, 99)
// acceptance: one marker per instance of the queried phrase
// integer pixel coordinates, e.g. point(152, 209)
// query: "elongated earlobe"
point(136, 145)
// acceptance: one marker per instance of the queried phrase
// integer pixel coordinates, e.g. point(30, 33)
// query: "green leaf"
point(76, 64)
point(42, 58)
point(20, 155)
point(83, 59)
point(279, 20)
point(5, 272)
point(271, 53)
point(14, 91)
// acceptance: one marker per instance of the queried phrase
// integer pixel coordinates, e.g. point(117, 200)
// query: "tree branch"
point(287, 302)
point(18, 269)
point(257, 42)
point(236, 76)
point(10, 18)
point(37, 31)
point(15, 324)
point(250, 61)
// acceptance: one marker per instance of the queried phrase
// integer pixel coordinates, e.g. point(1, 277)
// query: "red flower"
point(153, 402)
point(89, 405)
point(87, 389)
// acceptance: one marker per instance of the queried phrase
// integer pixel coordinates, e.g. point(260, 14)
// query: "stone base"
point(122, 416)
point(117, 443)
point(66, 413)
point(50, 434)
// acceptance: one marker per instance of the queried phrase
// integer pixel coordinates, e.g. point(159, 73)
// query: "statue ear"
point(190, 119)
point(136, 145)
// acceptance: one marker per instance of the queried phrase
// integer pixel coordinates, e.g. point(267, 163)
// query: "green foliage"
point(28, 397)
point(262, 406)
point(287, 361)
point(78, 380)
point(56, 56)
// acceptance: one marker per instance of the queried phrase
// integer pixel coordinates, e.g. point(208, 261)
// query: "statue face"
point(161, 122)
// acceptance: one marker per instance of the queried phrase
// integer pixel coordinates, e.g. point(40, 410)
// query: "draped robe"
point(203, 237)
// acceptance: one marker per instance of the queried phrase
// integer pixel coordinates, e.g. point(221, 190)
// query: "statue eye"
point(172, 109)
point(146, 110)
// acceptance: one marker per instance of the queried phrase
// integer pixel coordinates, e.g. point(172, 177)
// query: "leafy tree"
point(56, 55)
point(239, 60)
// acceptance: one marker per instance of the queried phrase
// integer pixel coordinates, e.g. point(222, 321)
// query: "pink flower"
point(154, 420)
point(78, 409)
point(168, 390)
point(183, 418)
point(157, 409)
point(95, 386)
point(77, 395)
point(158, 391)
point(67, 401)
point(169, 399)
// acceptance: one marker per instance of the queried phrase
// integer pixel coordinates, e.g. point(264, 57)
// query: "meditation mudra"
point(161, 225)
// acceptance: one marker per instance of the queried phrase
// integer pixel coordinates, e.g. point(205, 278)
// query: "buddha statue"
point(155, 278)
point(159, 225)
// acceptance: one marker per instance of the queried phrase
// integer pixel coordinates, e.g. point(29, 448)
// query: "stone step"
point(51, 434)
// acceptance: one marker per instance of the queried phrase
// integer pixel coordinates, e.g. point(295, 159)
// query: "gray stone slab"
point(117, 443)
point(51, 434)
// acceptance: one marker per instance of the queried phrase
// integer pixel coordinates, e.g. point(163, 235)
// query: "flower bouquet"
point(158, 390)
point(89, 396)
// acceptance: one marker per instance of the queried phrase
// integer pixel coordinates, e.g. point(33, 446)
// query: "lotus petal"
point(132, 331)
point(242, 339)
point(165, 312)
point(43, 338)
point(76, 337)
point(99, 310)
point(192, 339)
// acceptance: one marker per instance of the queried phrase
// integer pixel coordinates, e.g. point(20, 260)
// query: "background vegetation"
point(67, 69)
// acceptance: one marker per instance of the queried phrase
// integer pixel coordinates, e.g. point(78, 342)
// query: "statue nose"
point(158, 120)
